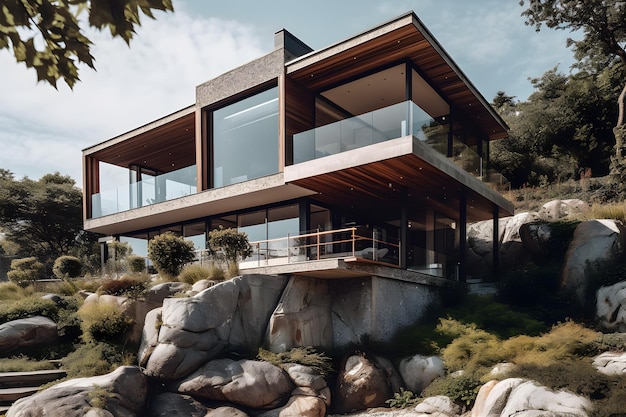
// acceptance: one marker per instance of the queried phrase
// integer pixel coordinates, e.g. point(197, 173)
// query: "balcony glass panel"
point(149, 191)
point(245, 139)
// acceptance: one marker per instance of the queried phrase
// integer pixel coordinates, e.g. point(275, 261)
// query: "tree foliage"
point(603, 26)
point(44, 217)
point(170, 253)
point(47, 35)
point(25, 271)
point(232, 243)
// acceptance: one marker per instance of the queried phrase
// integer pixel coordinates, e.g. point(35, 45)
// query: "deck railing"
point(350, 242)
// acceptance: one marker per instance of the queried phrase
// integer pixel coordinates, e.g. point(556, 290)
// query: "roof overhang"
point(404, 38)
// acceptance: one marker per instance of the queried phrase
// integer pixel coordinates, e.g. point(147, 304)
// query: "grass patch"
point(10, 291)
point(24, 364)
point(130, 285)
point(193, 273)
point(307, 356)
point(97, 358)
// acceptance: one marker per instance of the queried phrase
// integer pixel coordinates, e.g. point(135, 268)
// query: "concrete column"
point(462, 236)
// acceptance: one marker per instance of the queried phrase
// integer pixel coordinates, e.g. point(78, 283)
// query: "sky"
point(43, 130)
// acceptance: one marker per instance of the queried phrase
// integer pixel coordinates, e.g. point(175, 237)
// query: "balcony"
point(349, 243)
point(398, 120)
point(151, 190)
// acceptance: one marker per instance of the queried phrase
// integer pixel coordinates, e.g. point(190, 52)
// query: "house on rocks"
point(355, 165)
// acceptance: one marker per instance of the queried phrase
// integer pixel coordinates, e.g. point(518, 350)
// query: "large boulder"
point(253, 384)
point(232, 315)
point(611, 307)
point(594, 241)
point(121, 393)
point(480, 243)
point(32, 331)
point(419, 371)
point(170, 404)
point(519, 397)
point(361, 384)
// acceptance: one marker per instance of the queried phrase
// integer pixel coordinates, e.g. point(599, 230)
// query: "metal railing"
point(350, 242)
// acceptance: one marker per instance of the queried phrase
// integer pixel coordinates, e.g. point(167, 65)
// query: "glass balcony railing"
point(389, 123)
point(150, 190)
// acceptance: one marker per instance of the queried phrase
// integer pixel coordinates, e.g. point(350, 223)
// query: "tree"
point(603, 24)
point(234, 245)
point(170, 253)
point(26, 25)
point(43, 218)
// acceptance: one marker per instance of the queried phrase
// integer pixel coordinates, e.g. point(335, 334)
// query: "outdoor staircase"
point(16, 385)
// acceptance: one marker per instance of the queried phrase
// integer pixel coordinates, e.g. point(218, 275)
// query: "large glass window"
point(245, 139)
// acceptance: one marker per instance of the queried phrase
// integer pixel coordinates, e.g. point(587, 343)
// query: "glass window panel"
point(245, 139)
point(195, 233)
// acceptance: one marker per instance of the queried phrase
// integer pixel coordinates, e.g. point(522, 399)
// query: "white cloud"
point(44, 130)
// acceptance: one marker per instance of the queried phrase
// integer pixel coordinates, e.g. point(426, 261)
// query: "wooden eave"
point(165, 145)
point(402, 39)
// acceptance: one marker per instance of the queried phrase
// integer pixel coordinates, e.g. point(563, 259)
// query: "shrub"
point(193, 273)
point(94, 358)
point(102, 322)
point(169, 253)
point(24, 364)
point(136, 263)
point(67, 267)
point(132, 286)
point(11, 291)
point(232, 243)
point(307, 356)
point(403, 399)
point(462, 389)
point(28, 307)
point(25, 271)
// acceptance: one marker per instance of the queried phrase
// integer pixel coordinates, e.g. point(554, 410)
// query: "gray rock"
point(169, 404)
point(516, 396)
point(32, 331)
point(156, 294)
point(56, 298)
point(558, 209)
point(299, 406)
point(611, 363)
point(593, 241)
point(253, 384)
point(611, 307)
point(439, 406)
point(226, 412)
point(230, 315)
point(122, 391)
point(419, 371)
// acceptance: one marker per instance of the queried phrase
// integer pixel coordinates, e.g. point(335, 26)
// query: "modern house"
point(369, 156)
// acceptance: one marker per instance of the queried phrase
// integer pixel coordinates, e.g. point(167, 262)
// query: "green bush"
point(103, 322)
point(169, 253)
point(28, 307)
point(234, 245)
point(462, 389)
point(11, 291)
point(25, 271)
point(95, 358)
point(193, 273)
point(67, 267)
point(403, 399)
point(136, 263)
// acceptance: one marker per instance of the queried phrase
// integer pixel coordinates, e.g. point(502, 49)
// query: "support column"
point(404, 232)
point(462, 236)
point(430, 238)
point(495, 265)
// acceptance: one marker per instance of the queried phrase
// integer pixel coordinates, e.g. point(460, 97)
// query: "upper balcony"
point(388, 123)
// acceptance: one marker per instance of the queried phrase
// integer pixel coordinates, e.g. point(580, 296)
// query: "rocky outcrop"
point(519, 397)
point(419, 371)
point(232, 315)
point(28, 332)
point(594, 241)
point(170, 404)
point(120, 393)
point(439, 406)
